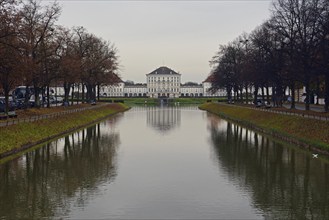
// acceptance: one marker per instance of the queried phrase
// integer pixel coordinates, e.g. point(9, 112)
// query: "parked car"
point(2, 105)
point(259, 103)
point(20, 103)
point(262, 103)
point(20, 92)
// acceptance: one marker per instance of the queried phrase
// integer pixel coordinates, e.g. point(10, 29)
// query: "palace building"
point(161, 82)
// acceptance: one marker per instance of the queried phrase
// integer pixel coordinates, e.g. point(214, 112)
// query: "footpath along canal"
point(165, 163)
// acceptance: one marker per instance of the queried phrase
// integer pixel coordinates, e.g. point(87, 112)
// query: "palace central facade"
point(162, 82)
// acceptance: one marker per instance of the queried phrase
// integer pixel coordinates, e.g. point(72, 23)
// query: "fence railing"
point(45, 116)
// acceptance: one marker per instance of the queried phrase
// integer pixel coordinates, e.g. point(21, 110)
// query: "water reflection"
point(163, 119)
point(48, 181)
point(284, 182)
point(165, 176)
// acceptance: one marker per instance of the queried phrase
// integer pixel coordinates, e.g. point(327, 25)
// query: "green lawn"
point(15, 136)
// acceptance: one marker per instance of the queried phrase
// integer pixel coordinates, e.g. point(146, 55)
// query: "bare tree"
point(36, 27)
point(299, 22)
point(9, 51)
point(98, 61)
point(227, 64)
point(323, 52)
point(68, 60)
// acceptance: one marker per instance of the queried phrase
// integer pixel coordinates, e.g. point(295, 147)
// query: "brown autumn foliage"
point(38, 53)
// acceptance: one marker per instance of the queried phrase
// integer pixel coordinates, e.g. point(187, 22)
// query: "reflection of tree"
point(284, 182)
point(49, 179)
point(163, 119)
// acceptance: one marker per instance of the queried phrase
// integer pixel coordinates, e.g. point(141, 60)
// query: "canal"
point(165, 163)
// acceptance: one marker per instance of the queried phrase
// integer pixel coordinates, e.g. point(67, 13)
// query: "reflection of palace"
point(163, 119)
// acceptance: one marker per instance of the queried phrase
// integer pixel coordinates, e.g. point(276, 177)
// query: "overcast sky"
point(183, 35)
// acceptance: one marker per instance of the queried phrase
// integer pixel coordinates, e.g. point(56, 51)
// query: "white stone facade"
point(162, 82)
point(117, 90)
point(136, 90)
point(191, 91)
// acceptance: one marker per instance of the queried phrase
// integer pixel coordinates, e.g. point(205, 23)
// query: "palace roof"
point(163, 70)
point(210, 78)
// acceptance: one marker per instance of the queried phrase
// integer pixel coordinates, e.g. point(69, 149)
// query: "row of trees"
point(289, 50)
point(36, 52)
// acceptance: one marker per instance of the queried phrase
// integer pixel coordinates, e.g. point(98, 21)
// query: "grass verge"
point(24, 135)
point(308, 133)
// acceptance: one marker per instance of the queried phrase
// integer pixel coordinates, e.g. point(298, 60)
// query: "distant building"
point(163, 82)
point(191, 90)
point(207, 84)
point(135, 90)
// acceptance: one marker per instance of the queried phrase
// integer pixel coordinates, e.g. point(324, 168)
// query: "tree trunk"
point(78, 93)
point(326, 95)
point(67, 88)
point(229, 93)
point(292, 88)
point(72, 94)
point(247, 98)
point(6, 90)
point(48, 98)
point(94, 93)
point(263, 93)
point(274, 96)
point(307, 99)
point(90, 93)
point(27, 96)
point(98, 91)
point(236, 95)
point(36, 97)
point(317, 91)
point(83, 93)
point(256, 94)
point(268, 93)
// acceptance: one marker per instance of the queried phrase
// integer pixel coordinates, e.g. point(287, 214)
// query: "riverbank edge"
point(29, 145)
point(303, 143)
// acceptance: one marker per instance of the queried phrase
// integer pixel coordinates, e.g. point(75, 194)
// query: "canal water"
point(165, 163)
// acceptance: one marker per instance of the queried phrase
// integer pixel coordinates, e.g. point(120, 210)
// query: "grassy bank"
point(309, 133)
point(23, 135)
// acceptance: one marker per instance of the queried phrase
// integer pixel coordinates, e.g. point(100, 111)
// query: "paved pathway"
point(299, 106)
